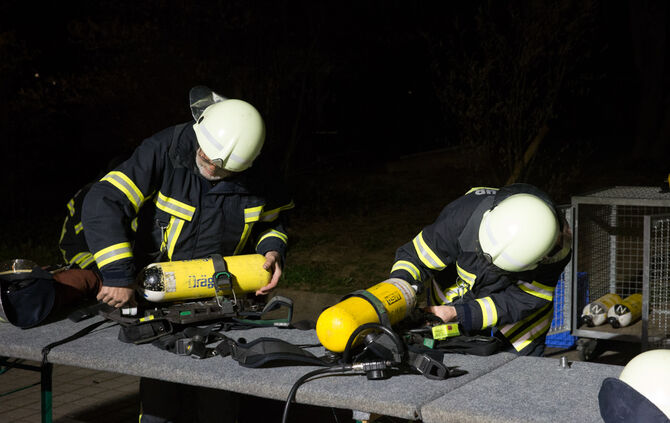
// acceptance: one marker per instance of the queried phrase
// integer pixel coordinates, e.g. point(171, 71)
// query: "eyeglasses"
point(216, 162)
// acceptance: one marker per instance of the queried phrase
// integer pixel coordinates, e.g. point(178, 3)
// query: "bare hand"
point(116, 296)
point(444, 312)
point(272, 264)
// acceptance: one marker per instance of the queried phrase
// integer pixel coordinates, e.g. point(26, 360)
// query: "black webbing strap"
point(222, 278)
point(84, 331)
point(145, 332)
point(375, 302)
point(192, 341)
point(221, 275)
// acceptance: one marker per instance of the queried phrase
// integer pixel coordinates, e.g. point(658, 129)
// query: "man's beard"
point(219, 174)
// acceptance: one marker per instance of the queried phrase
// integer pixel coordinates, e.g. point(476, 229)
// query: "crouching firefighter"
point(492, 260)
point(185, 193)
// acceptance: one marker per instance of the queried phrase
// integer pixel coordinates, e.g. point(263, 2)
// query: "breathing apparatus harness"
point(178, 327)
point(382, 355)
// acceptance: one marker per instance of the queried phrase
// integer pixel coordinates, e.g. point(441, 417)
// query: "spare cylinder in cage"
point(595, 313)
point(629, 311)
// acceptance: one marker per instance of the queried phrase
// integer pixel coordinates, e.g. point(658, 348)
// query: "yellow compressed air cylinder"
point(192, 279)
point(336, 324)
point(595, 313)
point(629, 311)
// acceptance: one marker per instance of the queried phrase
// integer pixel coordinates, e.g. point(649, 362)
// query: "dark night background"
point(347, 89)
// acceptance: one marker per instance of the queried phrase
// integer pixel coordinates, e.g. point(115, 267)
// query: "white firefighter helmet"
point(649, 374)
point(231, 134)
point(518, 233)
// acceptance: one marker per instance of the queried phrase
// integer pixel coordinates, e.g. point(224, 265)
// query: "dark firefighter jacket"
point(156, 207)
point(72, 243)
point(519, 304)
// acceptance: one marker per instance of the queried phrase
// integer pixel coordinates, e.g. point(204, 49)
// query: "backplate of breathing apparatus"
point(151, 321)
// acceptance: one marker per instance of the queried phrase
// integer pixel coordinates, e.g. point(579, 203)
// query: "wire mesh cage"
point(657, 260)
point(621, 244)
point(559, 331)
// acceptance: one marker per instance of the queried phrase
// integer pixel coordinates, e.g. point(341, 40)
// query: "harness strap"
point(192, 341)
point(222, 278)
point(275, 303)
point(145, 332)
point(47, 349)
point(268, 351)
point(376, 304)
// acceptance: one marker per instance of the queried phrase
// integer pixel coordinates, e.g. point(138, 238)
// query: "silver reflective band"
point(210, 137)
point(174, 207)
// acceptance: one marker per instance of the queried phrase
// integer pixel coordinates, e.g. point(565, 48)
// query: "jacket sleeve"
point(270, 233)
point(112, 204)
point(72, 243)
point(430, 251)
point(531, 294)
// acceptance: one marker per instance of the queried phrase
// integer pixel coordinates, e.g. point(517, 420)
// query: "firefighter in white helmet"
point(185, 193)
point(492, 260)
point(230, 134)
point(641, 393)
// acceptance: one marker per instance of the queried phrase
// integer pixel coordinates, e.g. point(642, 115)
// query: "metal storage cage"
point(559, 332)
point(656, 334)
point(622, 245)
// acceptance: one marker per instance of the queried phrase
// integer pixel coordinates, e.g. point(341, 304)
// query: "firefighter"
point(641, 393)
point(72, 243)
point(184, 193)
point(492, 260)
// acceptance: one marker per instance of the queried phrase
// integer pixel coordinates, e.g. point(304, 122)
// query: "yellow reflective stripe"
point(63, 231)
point(512, 327)
point(438, 295)
point(408, 267)
point(173, 230)
point(83, 259)
point(78, 228)
point(87, 262)
point(126, 186)
point(113, 253)
point(537, 289)
point(270, 215)
point(489, 312)
point(252, 214)
point(174, 207)
point(467, 277)
point(70, 206)
point(272, 233)
point(454, 291)
point(526, 337)
point(79, 257)
point(133, 225)
point(482, 188)
point(243, 239)
point(426, 255)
